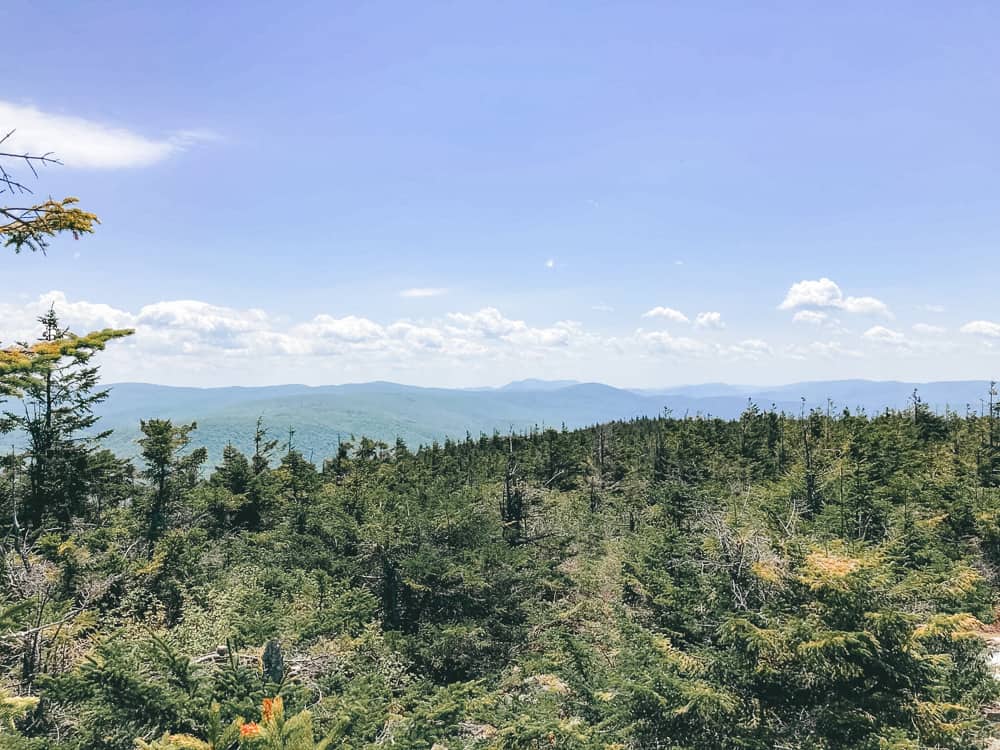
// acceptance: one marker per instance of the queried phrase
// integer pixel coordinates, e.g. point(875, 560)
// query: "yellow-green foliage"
point(14, 707)
point(21, 364)
point(33, 226)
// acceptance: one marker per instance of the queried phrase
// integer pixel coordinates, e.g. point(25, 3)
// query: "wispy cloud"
point(822, 349)
point(812, 317)
point(79, 142)
point(750, 349)
point(661, 342)
point(423, 291)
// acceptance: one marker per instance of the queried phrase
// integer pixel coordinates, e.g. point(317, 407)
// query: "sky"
point(467, 193)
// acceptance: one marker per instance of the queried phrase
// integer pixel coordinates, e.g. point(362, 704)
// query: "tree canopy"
point(777, 581)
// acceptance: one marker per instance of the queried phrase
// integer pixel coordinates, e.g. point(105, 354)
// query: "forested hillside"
point(324, 415)
point(773, 581)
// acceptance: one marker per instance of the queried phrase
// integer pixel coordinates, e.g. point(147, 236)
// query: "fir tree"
point(58, 389)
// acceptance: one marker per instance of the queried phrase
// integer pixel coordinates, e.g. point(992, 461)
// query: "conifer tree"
point(299, 480)
point(168, 470)
point(58, 390)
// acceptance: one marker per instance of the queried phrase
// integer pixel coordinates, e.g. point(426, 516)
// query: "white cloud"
point(488, 322)
point(350, 329)
point(86, 143)
point(865, 306)
point(820, 293)
point(423, 292)
point(824, 349)
point(934, 308)
point(667, 313)
point(709, 320)
point(820, 319)
point(195, 327)
point(750, 349)
point(201, 317)
point(930, 343)
point(419, 337)
point(190, 335)
point(193, 341)
point(884, 335)
point(982, 328)
point(86, 315)
point(661, 342)
point(812, 317)
point(689, 348)
point(561, 334)
point(550, 263)
point(20, 322)
point(602, 307)
point(826, 293)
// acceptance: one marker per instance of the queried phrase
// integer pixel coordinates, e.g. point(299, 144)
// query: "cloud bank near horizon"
point(188, 341)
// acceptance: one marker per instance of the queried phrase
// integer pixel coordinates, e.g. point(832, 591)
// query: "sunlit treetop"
point(21, 363)
point(31, 226)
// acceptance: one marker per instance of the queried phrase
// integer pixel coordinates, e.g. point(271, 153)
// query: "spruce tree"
point(169, 471)
point(58, 391)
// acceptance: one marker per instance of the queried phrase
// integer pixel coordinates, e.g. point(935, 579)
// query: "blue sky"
point(817, 182)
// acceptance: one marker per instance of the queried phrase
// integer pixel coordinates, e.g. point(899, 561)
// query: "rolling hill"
point(322, 416)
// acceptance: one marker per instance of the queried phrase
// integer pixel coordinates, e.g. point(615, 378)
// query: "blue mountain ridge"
point(321, 416)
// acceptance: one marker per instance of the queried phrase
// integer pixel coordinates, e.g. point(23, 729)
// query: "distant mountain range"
point(322, 416)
